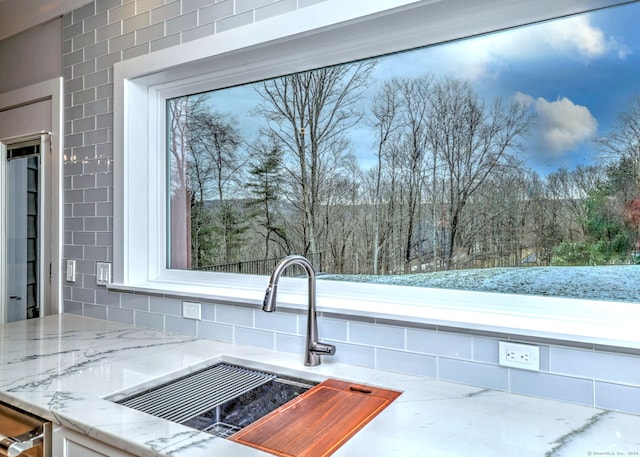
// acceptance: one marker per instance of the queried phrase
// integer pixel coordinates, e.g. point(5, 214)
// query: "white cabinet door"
point(67, 443)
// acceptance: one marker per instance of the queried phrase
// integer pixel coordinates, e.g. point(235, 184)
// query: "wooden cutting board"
point(317, 422)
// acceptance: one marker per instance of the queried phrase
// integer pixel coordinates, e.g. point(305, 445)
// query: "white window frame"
point(323, 34)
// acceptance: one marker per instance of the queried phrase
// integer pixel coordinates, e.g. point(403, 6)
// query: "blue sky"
point(576, 74)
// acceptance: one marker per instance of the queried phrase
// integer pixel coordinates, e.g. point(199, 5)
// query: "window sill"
point(582, 321)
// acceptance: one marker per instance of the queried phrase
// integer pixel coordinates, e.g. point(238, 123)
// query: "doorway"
point(27, 263)
point(31, 155)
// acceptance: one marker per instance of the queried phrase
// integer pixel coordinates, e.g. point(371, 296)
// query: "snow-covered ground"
point(619, 283)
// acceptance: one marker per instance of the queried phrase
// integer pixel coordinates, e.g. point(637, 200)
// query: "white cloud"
point(562, 124)
point(577, 35)
point(523, 99)
point(482, 57)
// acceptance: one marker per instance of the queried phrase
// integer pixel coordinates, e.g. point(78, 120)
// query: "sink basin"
point(237, 413)
point(221, 399)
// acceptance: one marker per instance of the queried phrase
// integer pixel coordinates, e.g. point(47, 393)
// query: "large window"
point(507, 163)
point(477, 168)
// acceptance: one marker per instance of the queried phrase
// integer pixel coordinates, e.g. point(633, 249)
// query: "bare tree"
point(414, 94)
point(181, 110)
point(572, 188)
point(214, 145)
point(310, 114)
point(472, 141)
point(384, 111)
point(623, 142)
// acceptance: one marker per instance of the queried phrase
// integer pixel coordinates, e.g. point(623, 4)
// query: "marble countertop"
point(62, 368)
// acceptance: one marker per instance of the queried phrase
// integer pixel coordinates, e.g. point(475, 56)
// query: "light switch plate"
point(103, 273)
point(71, 271)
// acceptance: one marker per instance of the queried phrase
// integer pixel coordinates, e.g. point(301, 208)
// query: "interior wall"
point(103, 33)
point(32, 56)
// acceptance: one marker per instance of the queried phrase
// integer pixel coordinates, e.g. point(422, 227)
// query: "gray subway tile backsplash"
point(95, 22)
point(354, 354)
point(377, 335)
point(565, 388)
point(198, 32)
point(216, 12)
point(137, 302)
point(83, 13)
point(109, 31)
point(191, 5)
point(165, 12)
point(215, 331)
point(84, 40)
point(333, 329)
point(122, 12)
point(124, 316)
point(110, 299)
point(148, 5)
point(228, 314)
point(279, 322)
point(181, 325)
point(601, 366)
point(73, 307)
point(477, 374)
point(105, 5)
point(208, 312)
point(167, 306)
point(97, 50)
point(131, 24)
point(247, 5)
point(166, 42)
point(290, 343)
point(617, 397)
point(232, 22)
point(484, 349)
point(135, 51)
point(147, 34)
point(275, 9)
point(253, 337)
point(406, 362)
point(95, 311)
point(104, 32)
point(72, 31)
point(150, 320)
point(122, 42)
point(182, 23)
point(442, 343)
point(305, 3)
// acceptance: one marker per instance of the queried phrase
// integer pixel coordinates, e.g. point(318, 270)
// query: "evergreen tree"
point(265, 183)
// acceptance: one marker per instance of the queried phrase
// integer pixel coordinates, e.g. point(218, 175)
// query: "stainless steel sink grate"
point(196, 393)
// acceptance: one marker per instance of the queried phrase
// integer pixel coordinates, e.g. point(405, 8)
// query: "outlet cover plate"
point(516, 355)
point(191, 310)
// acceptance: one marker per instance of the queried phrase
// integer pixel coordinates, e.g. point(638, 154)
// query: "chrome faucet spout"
point(269, 303)
point(314, 348)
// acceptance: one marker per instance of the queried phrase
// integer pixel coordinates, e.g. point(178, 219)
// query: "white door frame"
point(47, 90)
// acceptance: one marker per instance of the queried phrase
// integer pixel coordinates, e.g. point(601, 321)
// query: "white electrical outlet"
point(515, 355)
point(191, 310)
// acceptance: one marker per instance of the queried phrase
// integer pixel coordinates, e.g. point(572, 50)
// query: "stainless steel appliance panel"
point(23, 434)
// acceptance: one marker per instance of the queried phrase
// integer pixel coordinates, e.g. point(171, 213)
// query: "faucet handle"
point(323, 348)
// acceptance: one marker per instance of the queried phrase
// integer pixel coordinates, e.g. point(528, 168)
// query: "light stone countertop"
point(62, 367)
